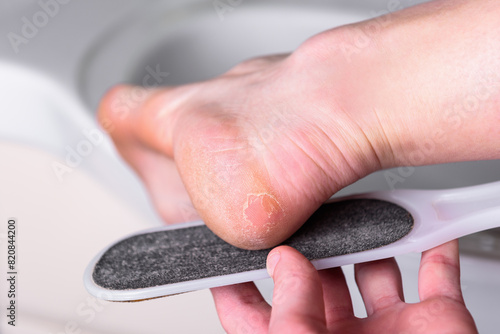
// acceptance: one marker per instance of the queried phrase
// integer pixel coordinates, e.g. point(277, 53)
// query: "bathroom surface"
point(71, 195)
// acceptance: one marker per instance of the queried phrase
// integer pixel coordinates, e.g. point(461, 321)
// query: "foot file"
point(186, 257)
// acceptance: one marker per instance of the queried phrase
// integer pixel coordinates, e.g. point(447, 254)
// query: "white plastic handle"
point(444, 215)
point(439, 216)
point(468, 203)
point(464, 211)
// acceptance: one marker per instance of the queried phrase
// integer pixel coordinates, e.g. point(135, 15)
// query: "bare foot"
point(259, 148)
point(254, 162)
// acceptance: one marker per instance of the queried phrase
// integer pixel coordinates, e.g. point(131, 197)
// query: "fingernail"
point(272, 261)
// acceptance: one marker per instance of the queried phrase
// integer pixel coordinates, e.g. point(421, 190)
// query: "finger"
point(241, 308)
point(439, 274)
point(298, 304)
point(338, 304)
point(380, 284)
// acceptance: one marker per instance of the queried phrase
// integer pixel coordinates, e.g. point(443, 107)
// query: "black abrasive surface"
point(166, 257)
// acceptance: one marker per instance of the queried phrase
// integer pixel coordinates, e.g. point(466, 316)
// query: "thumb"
point(298, 305)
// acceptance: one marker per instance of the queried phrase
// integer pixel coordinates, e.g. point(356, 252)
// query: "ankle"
point(343, 75)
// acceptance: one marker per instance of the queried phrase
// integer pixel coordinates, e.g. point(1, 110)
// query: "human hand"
point(310, 301)
point(259, 148)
